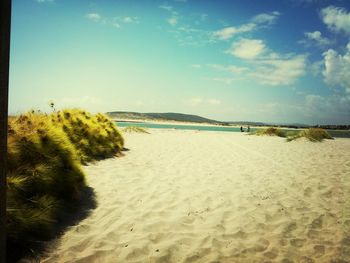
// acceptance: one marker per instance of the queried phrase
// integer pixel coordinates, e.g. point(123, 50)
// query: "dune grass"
point(271, 131)
point(94, 136)
point(312, 134)
point(134, 129)
point(44, 176)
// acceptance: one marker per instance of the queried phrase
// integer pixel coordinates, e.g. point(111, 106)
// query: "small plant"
point(52, 106)
point(134, 129)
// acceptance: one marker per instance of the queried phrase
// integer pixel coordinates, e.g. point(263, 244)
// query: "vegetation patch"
point(134, 129)
point(312, 134)
point(271, 131)
point(44, 176)
point(94, 136)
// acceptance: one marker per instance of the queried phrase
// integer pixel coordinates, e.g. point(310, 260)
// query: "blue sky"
point(282, 61)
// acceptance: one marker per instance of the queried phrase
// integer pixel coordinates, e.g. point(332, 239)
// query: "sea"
point(333, 133)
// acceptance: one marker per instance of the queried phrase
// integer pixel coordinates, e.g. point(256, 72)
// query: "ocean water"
point(181, 127)
point(337, 134)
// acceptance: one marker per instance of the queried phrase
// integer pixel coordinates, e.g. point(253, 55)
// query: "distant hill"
point(169, 116)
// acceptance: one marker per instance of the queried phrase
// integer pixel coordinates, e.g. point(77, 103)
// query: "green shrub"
point(44, 169)
point(43, 172)
point(94, 136)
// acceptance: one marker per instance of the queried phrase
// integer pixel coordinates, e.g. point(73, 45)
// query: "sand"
point(190, 196)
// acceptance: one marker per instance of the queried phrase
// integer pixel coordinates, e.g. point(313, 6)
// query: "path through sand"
point(188, 196)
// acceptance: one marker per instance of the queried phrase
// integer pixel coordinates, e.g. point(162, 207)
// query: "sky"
point(276, 61)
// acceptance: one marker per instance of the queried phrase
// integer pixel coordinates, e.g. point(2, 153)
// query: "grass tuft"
point(312, 134)
point(93, 139)
point(44, 176)
point(134, 129)
point(271, 131)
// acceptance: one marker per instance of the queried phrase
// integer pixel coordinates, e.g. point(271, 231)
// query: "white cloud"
point(226, 81)
point(258, 20)
point(173, 20)
point(312, 108)
point(316, 67)
point(264, 65)
point(44, 1)
point(203, 17)
point(266, 18)
point(333, 109)
point(94, 17)
point(195, 101)
point(247, 48)
point(336, 18)
point(279, 71)
point(196, 66)
point(200, 101)
point(313, 101)
point(228, 32)
point(116, 22)
point(315, 38)
point(166, 7)
point(129, 19)
point(267, 71)
point(337, 68)
point(231, 68)
point(214, 102)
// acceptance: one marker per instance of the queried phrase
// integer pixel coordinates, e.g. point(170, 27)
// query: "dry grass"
point(271, 131)
point(94, 136)
point(312, 134)
point(134, 129)
point(45, 153)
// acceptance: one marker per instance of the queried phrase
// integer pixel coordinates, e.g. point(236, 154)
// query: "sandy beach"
point(190, 196)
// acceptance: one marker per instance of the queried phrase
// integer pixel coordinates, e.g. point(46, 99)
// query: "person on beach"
point(248, 129)
point(242, 129)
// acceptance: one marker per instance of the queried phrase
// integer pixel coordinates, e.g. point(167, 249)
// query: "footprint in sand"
point(313, 233)
point(346, 241)
point(307, 192)
point(306, 260)
point(240, 234)
point(271, 254)
point(297, 242)
point(261, 245)
point(347, 223)
point(319, 250)
point(289, 229)
point(317, 223)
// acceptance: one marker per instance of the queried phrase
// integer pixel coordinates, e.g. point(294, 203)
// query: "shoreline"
point(182, 123)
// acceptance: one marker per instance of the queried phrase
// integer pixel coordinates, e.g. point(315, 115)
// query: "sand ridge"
point(190, 196)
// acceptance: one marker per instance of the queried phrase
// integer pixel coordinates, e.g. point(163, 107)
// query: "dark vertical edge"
point(5, 27)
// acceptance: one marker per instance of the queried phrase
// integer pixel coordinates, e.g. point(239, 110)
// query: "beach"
point(197, 196)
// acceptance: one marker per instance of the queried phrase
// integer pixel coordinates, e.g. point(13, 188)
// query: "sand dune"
point(187, 196)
